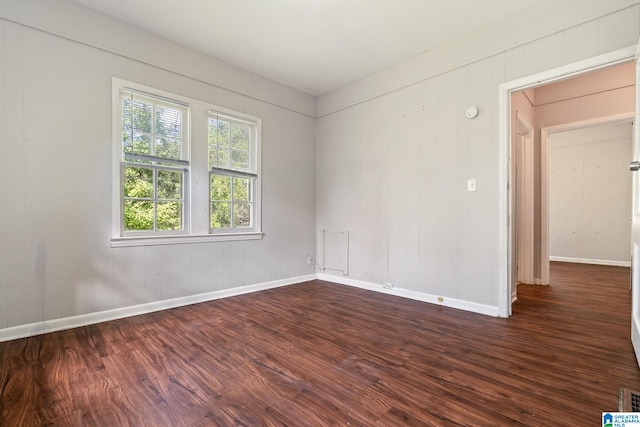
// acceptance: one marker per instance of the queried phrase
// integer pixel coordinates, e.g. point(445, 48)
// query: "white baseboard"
point(43, 327)
point(591, 261)
point(419, 296)
point(38, 328)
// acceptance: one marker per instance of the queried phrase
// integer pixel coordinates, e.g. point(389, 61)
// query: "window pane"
point(218, 157)
point(127, 142)
point(222, 133)
point(169, 185)
point(141, 143)
point(242, 214)
point(168, 122)
point(169, 216)
point(240, 137)
point(138, 182)
point(138, 215)
point(213, 156)
point(141, 115)
point(136, 115)
point(218, 143)
point(220, 187)
point(168, 148)
point(220, 215)
point(242, 189)
point(223, 157)
point(127, 116)
point(239, 160)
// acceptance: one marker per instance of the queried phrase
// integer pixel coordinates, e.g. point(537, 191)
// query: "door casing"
point(524, 204)
point(635, 223)
point(506, 224)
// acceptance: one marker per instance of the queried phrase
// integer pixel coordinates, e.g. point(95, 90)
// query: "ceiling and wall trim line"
point(95, 29)
point(370, 87)
point(60, 324)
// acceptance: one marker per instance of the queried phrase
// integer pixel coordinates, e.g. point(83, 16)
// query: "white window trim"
point(119, 242)
point(197, 224)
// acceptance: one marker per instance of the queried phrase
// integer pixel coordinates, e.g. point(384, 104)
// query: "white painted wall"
point(394, 151)
point(55, 172)
point(392, 156)
point(590, 194)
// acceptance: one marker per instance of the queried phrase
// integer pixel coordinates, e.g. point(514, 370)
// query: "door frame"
point(524, 232)
point(635, 223)
point(505, 214)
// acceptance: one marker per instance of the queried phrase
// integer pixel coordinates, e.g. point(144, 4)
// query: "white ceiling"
point(312, 45)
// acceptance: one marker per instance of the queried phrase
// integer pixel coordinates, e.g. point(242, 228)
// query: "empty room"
point(319, 212)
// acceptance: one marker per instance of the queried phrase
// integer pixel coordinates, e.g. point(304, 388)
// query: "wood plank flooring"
point(323, 354)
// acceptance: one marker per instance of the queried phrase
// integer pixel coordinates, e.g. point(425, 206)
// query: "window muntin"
point(233, 172)
point(155, 164)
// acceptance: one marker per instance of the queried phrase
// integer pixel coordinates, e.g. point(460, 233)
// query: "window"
point(155, 164)
point(184, 170)
point(233, 172)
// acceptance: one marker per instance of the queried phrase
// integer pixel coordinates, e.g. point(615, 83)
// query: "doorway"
point(508, 207)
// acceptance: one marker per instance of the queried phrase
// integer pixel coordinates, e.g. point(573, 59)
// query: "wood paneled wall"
point(55, 187)
point(393, 163)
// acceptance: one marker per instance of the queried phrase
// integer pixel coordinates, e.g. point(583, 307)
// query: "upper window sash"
point(153, 126)
point(232, 143)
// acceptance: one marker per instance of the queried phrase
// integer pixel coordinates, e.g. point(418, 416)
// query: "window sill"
point(120, 242)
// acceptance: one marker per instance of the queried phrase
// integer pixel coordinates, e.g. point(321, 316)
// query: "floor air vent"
point(628, 400)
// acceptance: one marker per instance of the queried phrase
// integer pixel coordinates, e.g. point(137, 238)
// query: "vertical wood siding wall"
point(392, 164)
point(391, 170)
point(55, 188)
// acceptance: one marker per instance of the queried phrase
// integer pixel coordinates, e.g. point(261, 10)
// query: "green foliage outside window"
point(140, 205)
point(228, 211)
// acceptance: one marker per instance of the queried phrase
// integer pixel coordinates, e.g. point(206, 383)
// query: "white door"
point(635, 222)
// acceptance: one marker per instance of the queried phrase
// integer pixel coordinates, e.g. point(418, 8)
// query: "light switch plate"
point(471, 184)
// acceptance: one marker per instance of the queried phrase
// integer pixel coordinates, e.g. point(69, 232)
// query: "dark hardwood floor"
point(323, 354)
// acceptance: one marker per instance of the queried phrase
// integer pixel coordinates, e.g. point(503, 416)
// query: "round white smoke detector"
point(472, 112)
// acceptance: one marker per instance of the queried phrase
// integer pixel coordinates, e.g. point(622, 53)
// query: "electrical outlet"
point(387, 285)
point(309, 260)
